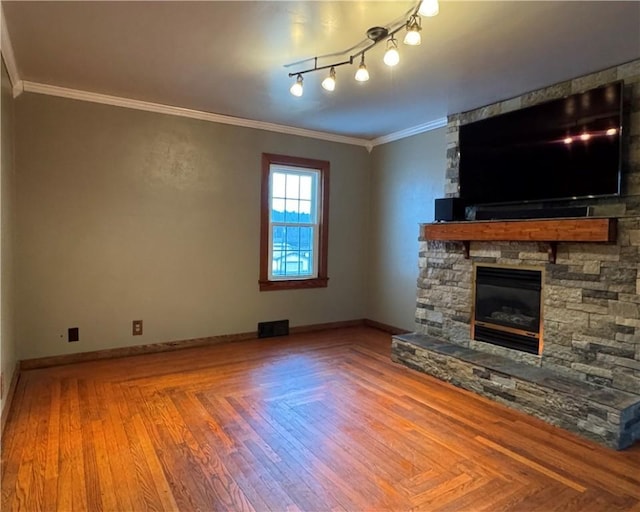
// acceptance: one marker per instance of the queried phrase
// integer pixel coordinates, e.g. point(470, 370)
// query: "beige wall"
point(7, 332)
point(124, 215)
point(407, 175)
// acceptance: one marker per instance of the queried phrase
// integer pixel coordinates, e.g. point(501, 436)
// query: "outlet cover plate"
point(73, 334)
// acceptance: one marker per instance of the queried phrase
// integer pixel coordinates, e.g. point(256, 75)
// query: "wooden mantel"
point(549, 231)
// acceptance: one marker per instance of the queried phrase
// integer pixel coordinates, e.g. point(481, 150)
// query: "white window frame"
point(314, 224)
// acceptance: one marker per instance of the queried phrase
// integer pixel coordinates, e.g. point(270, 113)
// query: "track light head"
point(414, 27)
point(391, 56)
point(296, 88)
point(362, 75)
point(329, 83)
point(429, 8)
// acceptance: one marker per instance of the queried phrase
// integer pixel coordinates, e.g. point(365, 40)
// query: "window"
point(295, 223)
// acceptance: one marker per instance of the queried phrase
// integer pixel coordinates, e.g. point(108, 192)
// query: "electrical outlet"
point(73, 334)
point(137, 328)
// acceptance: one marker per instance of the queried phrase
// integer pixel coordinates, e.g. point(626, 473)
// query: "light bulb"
point(429, 8)
point(413, 31)
point(296, 89)
point(412, 38)
point(391, 56)
point(362, 75)
point(329, 83)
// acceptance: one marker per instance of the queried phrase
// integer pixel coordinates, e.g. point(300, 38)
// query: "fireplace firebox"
point(507, 307)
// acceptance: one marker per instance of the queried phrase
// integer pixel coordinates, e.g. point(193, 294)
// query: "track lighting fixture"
point(413, 26)
point(413, 38)
point(429, 8)
point(362, 75)
point(391, 56)
point(329, 83)
point(296, 89)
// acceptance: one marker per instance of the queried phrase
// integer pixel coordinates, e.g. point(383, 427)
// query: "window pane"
point(293, 238)
point(305, 187)
point(293, 186)
point(277, 210)
point(293, 265)
point(278, 184)
point(306, 240)
point(279, 249)
point(291, 211)
point(279, 235)
point(305, 208)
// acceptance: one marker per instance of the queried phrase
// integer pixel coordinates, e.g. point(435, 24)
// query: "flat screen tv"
point(562, 149)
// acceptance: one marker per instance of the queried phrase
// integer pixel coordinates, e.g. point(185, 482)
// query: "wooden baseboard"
point(384, 327)
point(111, 353)
point(9, 398)
point(324, 327)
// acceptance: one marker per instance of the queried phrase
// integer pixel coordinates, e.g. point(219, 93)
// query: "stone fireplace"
point(582, 371)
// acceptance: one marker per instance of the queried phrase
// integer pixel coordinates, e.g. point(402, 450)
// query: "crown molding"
point(116, 101)
point(408, 132)
point(6, 48)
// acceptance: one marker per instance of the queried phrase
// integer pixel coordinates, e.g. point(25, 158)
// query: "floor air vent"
point(270, 329)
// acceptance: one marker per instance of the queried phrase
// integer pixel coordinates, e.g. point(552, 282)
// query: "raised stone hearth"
point(586, 377)
point(608, 416)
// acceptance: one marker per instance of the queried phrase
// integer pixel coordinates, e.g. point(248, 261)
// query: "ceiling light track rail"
point(377, 34)
point(328, 66)
point(413, 26)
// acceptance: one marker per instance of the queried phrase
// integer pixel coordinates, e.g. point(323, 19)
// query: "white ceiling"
point(228, 57)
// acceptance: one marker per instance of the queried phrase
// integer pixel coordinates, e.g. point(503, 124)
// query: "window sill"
point(294, 284)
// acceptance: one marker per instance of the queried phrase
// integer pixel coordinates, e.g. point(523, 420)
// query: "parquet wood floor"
point(312, 422)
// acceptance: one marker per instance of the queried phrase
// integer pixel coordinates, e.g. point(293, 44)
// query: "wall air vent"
point(275, 328)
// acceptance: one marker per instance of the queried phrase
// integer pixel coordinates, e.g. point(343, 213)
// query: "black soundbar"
point(534, 213)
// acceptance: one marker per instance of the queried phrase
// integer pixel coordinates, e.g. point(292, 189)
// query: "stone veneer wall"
point(591, 296)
